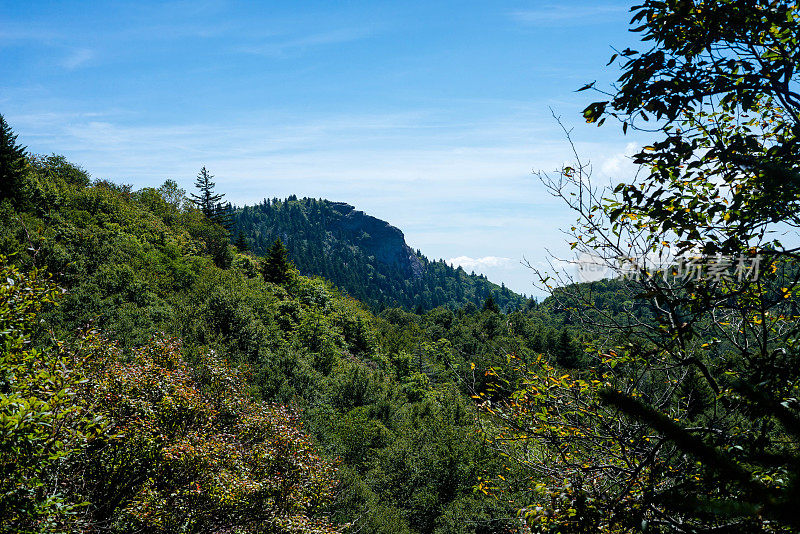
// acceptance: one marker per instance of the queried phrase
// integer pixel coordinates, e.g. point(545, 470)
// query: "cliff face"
point(376, 237)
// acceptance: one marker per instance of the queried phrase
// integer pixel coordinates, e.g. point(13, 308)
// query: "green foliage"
point(93, 438)
point(44, 424)
point(59, 172)
point(241, 243)
point(191, 452)
point(172, 194)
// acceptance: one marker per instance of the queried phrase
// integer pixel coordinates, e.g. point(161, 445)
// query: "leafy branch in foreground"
point(44, 423)
point(687, 419)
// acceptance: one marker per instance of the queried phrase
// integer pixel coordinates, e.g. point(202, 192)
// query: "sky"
point(430, 115)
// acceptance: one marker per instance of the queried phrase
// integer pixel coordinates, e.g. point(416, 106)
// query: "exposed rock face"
point(378, 238)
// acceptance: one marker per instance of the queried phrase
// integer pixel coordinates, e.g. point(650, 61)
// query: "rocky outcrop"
point(377, 238)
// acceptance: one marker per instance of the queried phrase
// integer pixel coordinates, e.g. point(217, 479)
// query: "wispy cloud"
point(278, 48)
point(77, 58)
point(12, 33)
point(550, 14)
point(66, 52)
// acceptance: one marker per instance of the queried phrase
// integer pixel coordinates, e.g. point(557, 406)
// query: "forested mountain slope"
point(190, 356)
point(363, 256)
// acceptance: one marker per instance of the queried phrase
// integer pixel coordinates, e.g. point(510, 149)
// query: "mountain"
point(364, 256)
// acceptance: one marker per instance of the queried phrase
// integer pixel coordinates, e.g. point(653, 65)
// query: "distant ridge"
point(364, 256)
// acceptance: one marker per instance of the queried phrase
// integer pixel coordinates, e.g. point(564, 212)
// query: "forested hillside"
point(197, 367)
point(363, 256)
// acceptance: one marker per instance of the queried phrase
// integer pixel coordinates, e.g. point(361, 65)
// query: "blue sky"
point(430, 115)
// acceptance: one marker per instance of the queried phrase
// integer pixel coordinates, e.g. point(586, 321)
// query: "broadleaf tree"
point(688, 418)
point(45, 425)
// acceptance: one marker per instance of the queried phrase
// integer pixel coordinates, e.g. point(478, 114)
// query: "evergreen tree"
point(12, 162)
point(490, 305)
point(565, 352)
point(276, 266)
point(224, 215)
point(207, 201)
point(241, 243)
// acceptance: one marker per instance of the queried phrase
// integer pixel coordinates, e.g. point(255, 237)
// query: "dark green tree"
point(276, 267)
point(12, 162)
point(207, 201)
point(241, 243)
point(490, 305)
point(224, 215)
point(565, 351)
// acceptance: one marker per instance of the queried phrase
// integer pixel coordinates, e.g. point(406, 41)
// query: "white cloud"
point(479, 263)
point(619, 166)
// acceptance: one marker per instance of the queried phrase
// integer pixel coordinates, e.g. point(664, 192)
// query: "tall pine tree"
point(207, 201)
point(12, 162)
